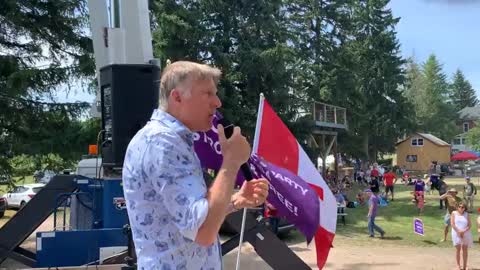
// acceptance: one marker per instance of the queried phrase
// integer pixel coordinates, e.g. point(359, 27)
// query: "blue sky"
point(448, 28)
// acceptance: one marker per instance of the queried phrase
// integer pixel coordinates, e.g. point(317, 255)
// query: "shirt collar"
point(173, 123)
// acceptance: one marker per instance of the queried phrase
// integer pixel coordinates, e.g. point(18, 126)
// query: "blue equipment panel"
point(73, 248)
point(114, 213)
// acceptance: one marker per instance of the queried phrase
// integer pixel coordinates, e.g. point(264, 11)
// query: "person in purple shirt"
point(372, 213)
point(419, 193)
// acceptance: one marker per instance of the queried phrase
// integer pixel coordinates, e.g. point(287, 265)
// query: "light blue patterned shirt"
point(166, 198)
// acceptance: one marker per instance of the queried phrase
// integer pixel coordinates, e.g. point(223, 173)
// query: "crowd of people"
point(456, 219)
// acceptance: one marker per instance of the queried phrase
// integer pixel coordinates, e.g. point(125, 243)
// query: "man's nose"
point(218, 102)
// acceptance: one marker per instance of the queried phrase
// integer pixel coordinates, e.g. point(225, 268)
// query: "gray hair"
point(182, 72)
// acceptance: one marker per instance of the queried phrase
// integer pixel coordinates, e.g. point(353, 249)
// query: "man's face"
point(199, 107)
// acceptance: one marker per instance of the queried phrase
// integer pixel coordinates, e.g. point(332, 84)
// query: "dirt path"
point(359, 258)
point(352, 258)
point(342, 256)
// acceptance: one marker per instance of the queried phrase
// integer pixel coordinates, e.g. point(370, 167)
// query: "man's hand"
point(235, 150)
point(253, 193)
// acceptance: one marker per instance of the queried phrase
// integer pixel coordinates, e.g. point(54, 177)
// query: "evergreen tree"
point(44, 45)
point(462, 93)
point(382, 113)
point(415, 87)
point(436, 114)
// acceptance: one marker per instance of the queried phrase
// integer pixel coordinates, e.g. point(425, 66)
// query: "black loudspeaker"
point(129, 94)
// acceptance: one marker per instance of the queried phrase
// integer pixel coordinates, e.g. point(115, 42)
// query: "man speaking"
point(174, 218)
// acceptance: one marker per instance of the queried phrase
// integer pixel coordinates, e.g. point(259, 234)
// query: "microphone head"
point(224, 121)
point(227, 127)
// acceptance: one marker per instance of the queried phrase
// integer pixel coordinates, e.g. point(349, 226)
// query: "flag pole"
point(254, 151)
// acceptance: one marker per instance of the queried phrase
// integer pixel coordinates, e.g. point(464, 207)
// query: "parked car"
point(21, 195)
point(3, 206)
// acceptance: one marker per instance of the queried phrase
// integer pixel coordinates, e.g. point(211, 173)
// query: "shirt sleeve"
point(178, 178)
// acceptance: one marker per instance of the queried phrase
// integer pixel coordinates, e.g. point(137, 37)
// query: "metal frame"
point(32, 215)
point(267, 245)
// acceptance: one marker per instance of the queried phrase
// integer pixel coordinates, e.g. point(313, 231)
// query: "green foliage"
point(44, 48)
point(473, 137)
point(295, 52)
point(379, 112)
point(428, 90)
point(462, 92)
point(247, 40)
point(24, 165)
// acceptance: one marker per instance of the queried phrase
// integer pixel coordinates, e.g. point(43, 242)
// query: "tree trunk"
point(365, 146)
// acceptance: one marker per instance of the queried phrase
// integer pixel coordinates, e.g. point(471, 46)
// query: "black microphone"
point(228, 128)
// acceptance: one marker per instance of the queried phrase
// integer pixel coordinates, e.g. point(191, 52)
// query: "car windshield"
point(36, 189)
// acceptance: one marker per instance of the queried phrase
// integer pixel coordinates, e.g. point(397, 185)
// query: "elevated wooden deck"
point(329, 116)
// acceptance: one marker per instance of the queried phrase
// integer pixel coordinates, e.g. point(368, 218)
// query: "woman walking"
point(461, 235)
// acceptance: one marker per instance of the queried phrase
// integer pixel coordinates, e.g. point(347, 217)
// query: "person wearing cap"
point(451, 201)
point(372, 213)
point(469, 192)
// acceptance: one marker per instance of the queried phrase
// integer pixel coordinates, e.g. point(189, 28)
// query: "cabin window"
point(417, 142)
point(466, 127)
point(411, 158)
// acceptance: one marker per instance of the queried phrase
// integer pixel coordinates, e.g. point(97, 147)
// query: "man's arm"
point(219, 196)
point(444, 196)
point(235, 151)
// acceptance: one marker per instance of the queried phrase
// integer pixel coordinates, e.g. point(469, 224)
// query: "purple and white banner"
point(292, 196)
point(418, 226)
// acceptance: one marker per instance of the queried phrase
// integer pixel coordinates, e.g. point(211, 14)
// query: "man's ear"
point(176, 96)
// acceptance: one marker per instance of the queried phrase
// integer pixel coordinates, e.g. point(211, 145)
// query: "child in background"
point(418, 192)
point(405, 177)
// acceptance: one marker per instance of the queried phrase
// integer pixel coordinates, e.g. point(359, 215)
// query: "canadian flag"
point(275, 143)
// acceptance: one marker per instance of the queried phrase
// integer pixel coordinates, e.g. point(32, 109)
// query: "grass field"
point(26, 180)
point(397, 220)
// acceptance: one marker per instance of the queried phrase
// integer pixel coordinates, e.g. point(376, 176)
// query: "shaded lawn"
point(26, 180)
point(397, 220)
